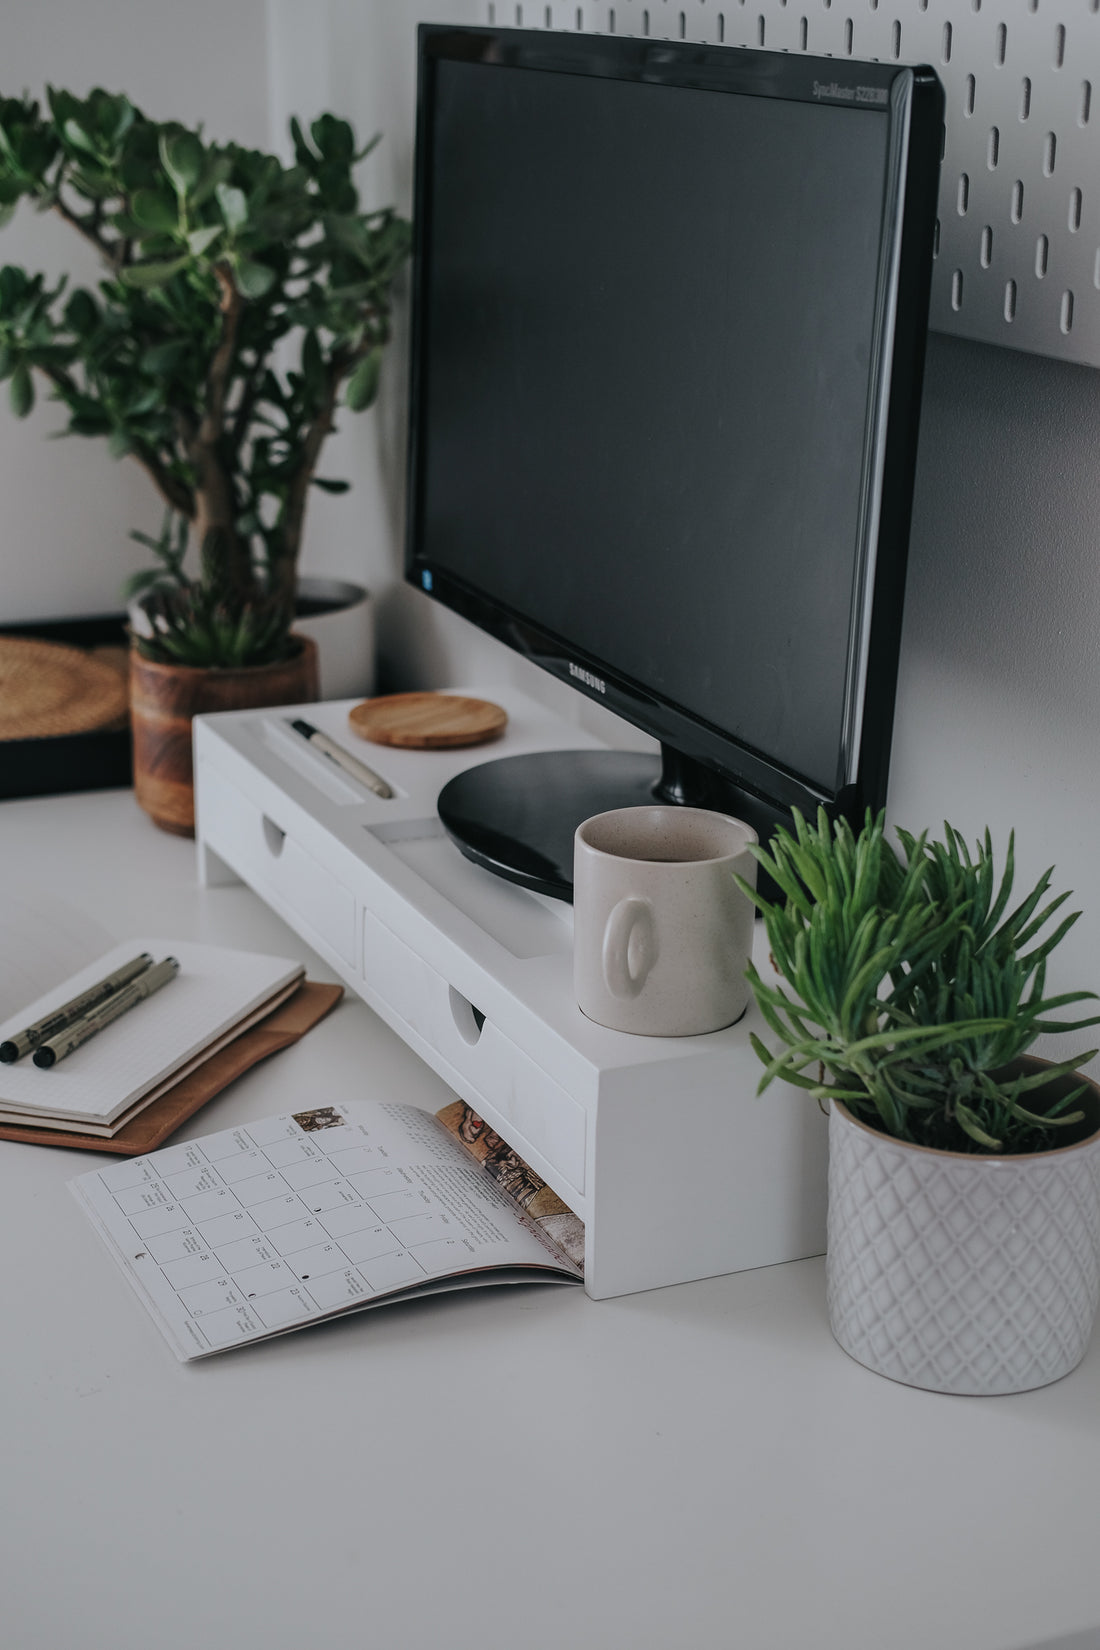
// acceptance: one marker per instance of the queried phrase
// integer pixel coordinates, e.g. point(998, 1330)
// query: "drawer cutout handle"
point(274, 837)
point(468, 1020)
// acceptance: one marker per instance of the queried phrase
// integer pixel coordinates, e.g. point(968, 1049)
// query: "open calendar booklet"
point(274, 1225)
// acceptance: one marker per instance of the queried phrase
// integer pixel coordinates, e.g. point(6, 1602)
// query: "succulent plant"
point(218, 260)
point(910, 990)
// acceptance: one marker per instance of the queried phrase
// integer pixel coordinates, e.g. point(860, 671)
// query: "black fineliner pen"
point(58, 1018)
point(48, 1054)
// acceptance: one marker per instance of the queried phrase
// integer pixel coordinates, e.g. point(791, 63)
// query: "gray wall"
point(999, 692)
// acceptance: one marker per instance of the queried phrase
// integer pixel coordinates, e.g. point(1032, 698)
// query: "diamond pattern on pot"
point(961, 1274)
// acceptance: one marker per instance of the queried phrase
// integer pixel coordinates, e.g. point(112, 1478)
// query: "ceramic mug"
point(662, 933)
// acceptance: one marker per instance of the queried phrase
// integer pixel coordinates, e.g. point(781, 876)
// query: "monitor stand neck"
point(687, 784)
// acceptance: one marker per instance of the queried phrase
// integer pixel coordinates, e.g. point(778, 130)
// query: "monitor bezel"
point(911, 99)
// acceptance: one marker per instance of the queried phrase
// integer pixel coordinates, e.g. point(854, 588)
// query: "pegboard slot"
point(1018, 81)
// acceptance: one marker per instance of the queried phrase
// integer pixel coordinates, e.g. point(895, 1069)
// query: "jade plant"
point(242, 301)
point(910, 989)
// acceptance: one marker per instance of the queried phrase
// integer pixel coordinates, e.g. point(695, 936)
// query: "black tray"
point(73, 761)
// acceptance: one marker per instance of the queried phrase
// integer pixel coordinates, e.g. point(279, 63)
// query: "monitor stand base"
point(517, 815)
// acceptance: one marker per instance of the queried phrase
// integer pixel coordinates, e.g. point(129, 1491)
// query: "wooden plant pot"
point(164, 698)
point(963, 1273)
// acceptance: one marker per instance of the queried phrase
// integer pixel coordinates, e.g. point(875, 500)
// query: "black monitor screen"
point(649, 382)
point(660, 305)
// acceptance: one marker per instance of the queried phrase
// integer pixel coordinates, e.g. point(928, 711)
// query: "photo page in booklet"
point(274, 1225)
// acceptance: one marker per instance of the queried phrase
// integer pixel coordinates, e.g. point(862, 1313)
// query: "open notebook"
point(216, 995)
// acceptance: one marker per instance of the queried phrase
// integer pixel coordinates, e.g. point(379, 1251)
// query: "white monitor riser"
point(662, 1145)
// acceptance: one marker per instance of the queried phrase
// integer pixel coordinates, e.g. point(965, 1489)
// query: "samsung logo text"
point(587, 678)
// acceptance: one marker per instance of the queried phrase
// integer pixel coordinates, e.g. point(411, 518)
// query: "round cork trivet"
point(427, 721)
point(47, 690)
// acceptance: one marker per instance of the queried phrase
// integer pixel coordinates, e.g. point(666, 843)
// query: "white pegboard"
point(1018, 237)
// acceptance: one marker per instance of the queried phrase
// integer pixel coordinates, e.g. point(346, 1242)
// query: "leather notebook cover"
point(151, 1127)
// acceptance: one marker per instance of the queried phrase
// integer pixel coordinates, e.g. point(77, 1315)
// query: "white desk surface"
point(699, 1466)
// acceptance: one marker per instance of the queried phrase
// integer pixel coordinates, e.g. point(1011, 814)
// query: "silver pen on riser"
point(59, 1018)
point(343, 759)
point(98, 1018)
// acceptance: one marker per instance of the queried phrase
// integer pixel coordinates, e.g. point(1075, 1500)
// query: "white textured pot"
point(959, 1273)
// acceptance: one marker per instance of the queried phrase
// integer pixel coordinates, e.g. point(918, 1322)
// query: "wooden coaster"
point(47, 690)
point(427, 721)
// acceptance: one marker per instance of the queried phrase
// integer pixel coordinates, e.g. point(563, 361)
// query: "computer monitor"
point(669, 316)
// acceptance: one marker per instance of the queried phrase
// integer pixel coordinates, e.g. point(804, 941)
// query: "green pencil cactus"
point(909, 987)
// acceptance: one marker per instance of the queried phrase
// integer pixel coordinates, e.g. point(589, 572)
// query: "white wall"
point(67, 506)
point(1000, 674)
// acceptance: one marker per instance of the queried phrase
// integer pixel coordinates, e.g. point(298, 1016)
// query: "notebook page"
point(214, 989)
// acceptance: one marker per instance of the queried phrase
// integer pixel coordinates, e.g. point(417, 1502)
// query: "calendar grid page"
point(273, 1225)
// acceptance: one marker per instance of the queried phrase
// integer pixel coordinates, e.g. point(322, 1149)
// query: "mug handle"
point(632, 916)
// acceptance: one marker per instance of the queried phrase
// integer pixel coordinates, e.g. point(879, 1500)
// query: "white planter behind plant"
point(340, 618)
point(961, 1274)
